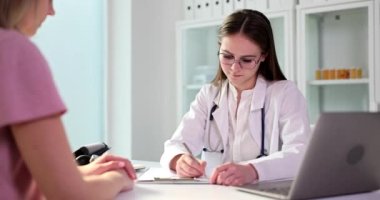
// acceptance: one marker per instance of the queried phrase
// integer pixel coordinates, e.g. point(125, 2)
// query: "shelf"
point(321, 4)
point(339, 82)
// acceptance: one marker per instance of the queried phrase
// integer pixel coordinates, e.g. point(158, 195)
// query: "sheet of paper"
point(138, 167)
point(164, 176)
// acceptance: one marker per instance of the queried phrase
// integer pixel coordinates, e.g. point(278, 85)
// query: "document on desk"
point(163, 176)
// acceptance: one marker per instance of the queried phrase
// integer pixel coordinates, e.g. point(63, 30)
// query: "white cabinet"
point(334, 36)
point(188, 9)
point(197, 61)
point(260, 5)
point(324, 2)
point(284, 31)
point(331, 38)
point(197, 47)
point(239, 4)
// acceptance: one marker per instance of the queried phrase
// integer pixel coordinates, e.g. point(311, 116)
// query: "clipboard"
point(162, 176)
point(139, 167)
point(175, 180)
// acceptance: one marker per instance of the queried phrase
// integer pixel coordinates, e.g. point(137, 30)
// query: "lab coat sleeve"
point(190, 130)
point(294, 132)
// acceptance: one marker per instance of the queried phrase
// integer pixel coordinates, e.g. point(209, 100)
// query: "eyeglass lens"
point(247, 62)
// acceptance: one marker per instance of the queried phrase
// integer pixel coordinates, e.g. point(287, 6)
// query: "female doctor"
point(250, 123)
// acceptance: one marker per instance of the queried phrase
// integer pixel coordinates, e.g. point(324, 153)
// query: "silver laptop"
point(342, 158)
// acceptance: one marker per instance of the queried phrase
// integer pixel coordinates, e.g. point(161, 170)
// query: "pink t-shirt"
point(27, 92)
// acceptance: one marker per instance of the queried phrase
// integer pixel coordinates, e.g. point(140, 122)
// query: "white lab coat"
point(287, 128)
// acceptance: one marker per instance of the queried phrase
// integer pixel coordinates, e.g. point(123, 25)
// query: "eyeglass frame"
point(255, 62)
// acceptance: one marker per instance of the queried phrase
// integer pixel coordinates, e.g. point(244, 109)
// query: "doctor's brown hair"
point(256, 27)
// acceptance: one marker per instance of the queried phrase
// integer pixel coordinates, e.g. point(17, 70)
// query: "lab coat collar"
point(259, 91)
point(258, 97)
point(257, 103)
point(221, 113)
point(219, 97)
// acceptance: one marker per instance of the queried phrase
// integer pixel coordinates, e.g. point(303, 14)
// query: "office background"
point(115, 65)
point(113, 94)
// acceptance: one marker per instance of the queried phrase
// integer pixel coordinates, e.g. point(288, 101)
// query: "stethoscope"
point(211, 119)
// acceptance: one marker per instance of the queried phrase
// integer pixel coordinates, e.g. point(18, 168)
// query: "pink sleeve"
point(27, 90)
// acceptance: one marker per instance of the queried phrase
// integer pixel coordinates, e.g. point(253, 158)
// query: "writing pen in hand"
point(192, 156)
point(188, 149)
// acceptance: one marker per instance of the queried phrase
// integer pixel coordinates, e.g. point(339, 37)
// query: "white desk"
point(144, 191)
point(184, 192)
point(191, 192)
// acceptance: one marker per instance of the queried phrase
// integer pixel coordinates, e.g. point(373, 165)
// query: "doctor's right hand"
point(187, 165)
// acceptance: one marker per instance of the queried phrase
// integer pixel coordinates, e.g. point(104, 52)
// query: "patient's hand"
point(128, 183)
point(108, 162)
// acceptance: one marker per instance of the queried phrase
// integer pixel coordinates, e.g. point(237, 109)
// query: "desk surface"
point(191, 192)
point(184, 192)
point(144, 191)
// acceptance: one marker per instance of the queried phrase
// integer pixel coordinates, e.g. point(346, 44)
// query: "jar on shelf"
point(332, 74)
point(360, 72)
point(343, 73)
point(318, 74)
point(325, 74)
point(354, 73)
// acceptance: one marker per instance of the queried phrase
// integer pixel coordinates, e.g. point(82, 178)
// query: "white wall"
point(141, 76)
point(119, 77)
point(73, 43)
point(138, 87)
point(153, 75)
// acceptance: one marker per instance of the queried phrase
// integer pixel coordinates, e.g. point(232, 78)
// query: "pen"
point(187, 149)
point(202, 170)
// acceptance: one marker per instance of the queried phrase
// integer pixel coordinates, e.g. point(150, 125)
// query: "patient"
point(36, 161)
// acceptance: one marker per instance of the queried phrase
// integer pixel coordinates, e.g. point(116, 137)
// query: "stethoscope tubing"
point(211, 118)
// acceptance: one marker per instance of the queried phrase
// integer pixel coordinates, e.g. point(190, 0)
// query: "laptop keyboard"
point(275, 189)
point(280, 190)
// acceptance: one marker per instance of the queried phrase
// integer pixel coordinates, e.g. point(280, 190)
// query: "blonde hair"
point(12, 12)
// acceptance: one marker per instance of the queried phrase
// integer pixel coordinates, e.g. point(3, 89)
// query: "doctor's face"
point(240, 59)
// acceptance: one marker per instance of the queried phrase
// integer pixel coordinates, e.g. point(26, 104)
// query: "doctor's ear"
point(263, 57)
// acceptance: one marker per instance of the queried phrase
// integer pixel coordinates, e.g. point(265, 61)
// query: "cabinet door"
point(338, 41)
point(283, 27)
point(197, 60)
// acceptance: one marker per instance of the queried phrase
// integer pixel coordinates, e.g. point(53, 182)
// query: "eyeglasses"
point(245, 62)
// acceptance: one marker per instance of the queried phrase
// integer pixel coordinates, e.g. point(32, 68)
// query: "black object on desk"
point(84, 154)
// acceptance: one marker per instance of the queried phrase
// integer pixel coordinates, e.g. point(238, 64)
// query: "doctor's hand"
point(187, 165)
point(234, 174)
